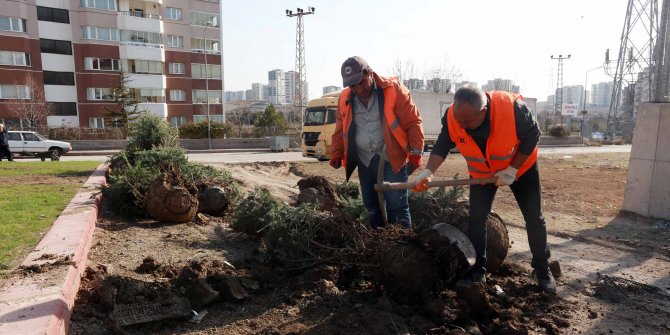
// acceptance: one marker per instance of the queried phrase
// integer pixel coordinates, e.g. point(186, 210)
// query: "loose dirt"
point(589, 235)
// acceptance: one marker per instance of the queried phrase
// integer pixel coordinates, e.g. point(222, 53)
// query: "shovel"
point(382, 186)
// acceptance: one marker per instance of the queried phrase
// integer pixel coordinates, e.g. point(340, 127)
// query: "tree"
point(403, 70)
point(240, 118)
point(126, 109)
point(270, 123)
point(34, 108)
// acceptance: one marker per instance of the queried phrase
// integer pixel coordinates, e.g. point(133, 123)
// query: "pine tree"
point(126, 109)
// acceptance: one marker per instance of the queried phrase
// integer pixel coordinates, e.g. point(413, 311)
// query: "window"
point(198, 71)
point(101, 64)
point(178, 121)
point(53, 14)
point(175, 41)
point(12, 24)
point(177, 68)
point(173, 13)
point(30, 137)
point(14, 58)
point(99, 33)
point(150, 95)
point(143, 37)
point(96, 122)
point(14, 92)
point(14, 136)
point(58, 78)
point(177, 95)
point(199, 44)
point(55, 46)
point(202, 19)
point(106, 94)
point(143, 66)
point(199, 96)
point(64, 108)
point(99, 4)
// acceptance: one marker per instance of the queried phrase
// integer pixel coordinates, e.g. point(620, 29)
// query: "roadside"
point(586, 233)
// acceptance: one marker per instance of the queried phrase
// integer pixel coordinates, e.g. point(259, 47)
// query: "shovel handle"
point(386, 186)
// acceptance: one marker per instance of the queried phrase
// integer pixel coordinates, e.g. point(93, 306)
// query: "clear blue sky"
point(485, 39)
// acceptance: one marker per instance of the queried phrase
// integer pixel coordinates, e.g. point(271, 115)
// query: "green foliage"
point(559, 131)
point(289, 234)
point(125, 111)
point(133, 171)
point(199, 130)
point(255, 212)
point(347, 189)
point(431, 207)
point(354, 208)
point(150, 131)
point(270, 123)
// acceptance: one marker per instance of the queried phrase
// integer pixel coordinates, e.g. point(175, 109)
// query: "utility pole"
point(209, 121)
point(300, 98)
point(558, 98)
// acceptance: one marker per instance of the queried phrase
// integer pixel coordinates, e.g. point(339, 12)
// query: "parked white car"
point(33, 144)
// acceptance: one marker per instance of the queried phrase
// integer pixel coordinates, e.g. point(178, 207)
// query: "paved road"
point(264, 156)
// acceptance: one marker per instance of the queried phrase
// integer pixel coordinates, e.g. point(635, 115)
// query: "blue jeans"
point(397, 207)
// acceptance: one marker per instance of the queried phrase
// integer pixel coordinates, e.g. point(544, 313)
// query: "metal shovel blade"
point(458, 239)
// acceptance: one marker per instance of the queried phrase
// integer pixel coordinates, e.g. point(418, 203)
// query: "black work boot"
point(545, 280)
point(473, 277)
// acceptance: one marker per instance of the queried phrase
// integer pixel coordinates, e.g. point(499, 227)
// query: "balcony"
point(141, 21)
point(158, 109)
point(139, 50)
point(146, 80)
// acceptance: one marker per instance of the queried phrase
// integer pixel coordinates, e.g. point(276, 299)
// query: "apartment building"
point(78, 51)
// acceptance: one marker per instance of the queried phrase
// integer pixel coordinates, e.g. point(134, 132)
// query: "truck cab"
point(319, 126)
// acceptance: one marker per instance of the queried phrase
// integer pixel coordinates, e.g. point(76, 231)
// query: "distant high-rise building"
point(290, 81)
point(235, 96)
point(276, 87)
point(499, 84)
point(465, 83)
point(414, 84)
point(257, 92)
point(601, 93)
point(330, 89)
point(572, 94)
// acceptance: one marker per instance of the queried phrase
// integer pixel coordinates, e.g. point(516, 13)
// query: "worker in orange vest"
point(497, 135)
point(376, 114)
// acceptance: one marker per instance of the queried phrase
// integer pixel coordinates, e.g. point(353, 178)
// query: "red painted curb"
point(42, 303)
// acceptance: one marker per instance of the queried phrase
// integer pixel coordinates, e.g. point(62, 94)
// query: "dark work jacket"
point(4, 137)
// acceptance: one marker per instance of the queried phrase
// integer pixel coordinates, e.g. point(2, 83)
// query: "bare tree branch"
point(34, 108)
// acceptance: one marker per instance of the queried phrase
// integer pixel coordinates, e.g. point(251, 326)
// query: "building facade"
point(499, 84)
point(78, 51)
point(331, 89)
point(601, 93)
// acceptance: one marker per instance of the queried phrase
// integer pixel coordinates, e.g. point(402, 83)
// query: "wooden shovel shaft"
point(386, 186)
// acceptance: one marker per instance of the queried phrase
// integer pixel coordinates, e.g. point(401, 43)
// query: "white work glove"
point(421, 179)
point(506, 177)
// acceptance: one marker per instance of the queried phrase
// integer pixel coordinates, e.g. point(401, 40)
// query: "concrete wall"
point(569, 140)
point(648, 188)
point(188, 144)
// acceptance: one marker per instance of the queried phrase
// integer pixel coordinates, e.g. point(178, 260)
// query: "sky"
point(481, 39)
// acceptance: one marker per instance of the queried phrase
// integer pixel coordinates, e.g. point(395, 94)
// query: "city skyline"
point(543, 28)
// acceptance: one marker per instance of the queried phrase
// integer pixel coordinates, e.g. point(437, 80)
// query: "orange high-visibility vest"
point(391, 121)
point(502, 143)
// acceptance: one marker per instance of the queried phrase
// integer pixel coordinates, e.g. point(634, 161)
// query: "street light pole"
point(209, 121)
point(586, 82)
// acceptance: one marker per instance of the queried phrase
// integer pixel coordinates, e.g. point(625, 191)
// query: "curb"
point(42, 302)
point(189, 151)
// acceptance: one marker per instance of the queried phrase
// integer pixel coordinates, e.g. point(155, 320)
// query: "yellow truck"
point(319, 126)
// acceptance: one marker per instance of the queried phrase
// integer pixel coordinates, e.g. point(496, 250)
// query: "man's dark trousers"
point(527, 192)
point(4, 152)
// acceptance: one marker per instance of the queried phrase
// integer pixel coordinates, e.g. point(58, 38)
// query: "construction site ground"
point(589, 236)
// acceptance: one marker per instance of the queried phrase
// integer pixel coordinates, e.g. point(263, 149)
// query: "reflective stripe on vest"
point(502, 144)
